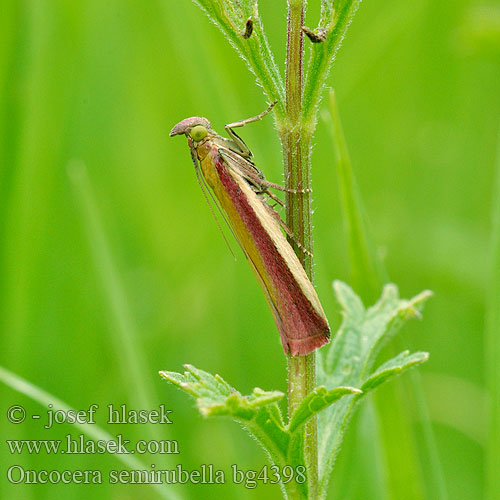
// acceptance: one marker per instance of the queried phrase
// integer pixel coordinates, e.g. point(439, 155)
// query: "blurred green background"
point(119, 259)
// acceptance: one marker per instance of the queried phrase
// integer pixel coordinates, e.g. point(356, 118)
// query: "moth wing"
point(243, 167)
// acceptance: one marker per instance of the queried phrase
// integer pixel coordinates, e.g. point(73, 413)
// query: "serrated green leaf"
point(315, 401)
point(349, 359)
point(393, 367)
point(214, 396)
point(363, 333)
point(258, 412)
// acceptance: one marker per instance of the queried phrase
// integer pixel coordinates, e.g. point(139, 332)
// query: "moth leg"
point(273, 197)
point(238, 141)
point(265, 197)
point(283, 188)
point(288, 231)
point(242, 123)
point(271, 200)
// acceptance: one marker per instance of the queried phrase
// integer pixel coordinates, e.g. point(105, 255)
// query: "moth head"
point(196, 128)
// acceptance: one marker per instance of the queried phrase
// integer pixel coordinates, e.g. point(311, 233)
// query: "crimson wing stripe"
point(303, 328)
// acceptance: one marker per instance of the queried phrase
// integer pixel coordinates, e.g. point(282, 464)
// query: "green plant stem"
point(296, 147)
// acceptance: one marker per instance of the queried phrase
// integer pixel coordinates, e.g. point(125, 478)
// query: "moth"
point(243, 197)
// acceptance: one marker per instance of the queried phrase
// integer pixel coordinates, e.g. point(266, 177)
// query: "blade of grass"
point(368, 274)
point(130, 355)
point(438, 488)
point(463, 408)
point(93, 431)
point(492, 345)
point(402, 468)
point(372, 460)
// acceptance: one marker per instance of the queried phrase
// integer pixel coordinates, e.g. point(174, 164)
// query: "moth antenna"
point(204, 189)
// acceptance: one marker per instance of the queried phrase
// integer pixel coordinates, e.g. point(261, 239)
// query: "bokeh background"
point(112, 268)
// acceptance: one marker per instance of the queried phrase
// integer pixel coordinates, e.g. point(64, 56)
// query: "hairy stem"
point(296, 147)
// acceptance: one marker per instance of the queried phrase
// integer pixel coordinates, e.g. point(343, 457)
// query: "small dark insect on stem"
point(316, 36)
point(248, 29)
